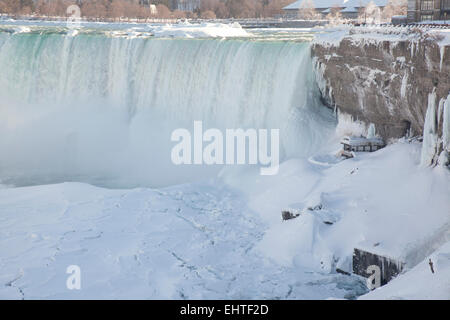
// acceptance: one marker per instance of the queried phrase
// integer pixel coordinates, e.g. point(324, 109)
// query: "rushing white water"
point(101, 109)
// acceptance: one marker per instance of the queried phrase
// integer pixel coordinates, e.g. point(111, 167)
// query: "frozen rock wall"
point(384, 80)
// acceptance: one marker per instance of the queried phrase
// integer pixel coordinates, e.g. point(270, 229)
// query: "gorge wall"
point(384, 77)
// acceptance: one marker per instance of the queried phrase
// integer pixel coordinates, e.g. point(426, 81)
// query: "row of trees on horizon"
point(208, 9)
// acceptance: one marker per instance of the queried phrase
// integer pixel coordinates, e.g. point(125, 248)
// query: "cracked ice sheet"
point(195, 241)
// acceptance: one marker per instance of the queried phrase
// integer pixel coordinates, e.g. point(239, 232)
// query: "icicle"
point(429, 144)
point(371, 131)
point(444, 157)
point(446, 124)
point(404, 85)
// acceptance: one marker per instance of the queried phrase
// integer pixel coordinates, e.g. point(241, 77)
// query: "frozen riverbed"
point(184, 242)
point(213, 240)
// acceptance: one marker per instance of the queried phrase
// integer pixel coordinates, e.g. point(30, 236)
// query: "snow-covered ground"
point(225, 238)
point(420, 282)
point(382, 201)
point(184, 242)
point(332, 36)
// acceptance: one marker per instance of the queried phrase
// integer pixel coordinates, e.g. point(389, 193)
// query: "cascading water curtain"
point(101, 109)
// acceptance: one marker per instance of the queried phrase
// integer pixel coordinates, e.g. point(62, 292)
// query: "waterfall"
point(100, 109)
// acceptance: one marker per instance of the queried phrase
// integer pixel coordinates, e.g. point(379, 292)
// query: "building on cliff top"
point(428, 10)
point(349, 8)
point(418, 10)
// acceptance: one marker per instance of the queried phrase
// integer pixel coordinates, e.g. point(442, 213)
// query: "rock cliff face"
point(384, 82)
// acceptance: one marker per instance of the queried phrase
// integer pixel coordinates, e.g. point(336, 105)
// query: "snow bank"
point(202, 30)
point(131, 30)
point(445, 37)
point(332, 36)
point(420, 282)
point(383, 202)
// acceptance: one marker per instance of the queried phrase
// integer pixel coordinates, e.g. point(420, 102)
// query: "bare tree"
point(55, 7)
point(370, 14)
point(95, 9)
point(393, 8)
point(335, 16)
point(42, 7)
point(308, 11)
point(244, 8)
point(27, 10)
point(208, 14)
point(116, 9)
point(217, 6)
point(274, 7)
point(132, 9)
point(163, 11)
point(102, 9)
point(26, 6)
point(178, 14)
point(10, 6)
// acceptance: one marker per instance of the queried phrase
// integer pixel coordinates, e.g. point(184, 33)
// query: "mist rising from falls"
point(101, 109)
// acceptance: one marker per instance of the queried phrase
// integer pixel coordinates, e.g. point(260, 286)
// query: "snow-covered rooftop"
point(360, 141)
point(321, 4)
point(317, 4)
point(349, 9)
point(363, 3)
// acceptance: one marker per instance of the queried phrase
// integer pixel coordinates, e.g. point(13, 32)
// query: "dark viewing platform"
point(360, 144)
